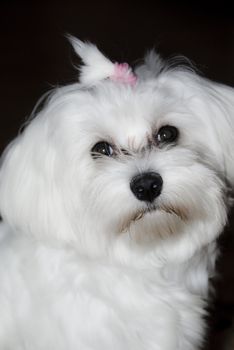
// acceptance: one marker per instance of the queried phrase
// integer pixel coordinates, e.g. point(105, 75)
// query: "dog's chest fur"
point(69, 302)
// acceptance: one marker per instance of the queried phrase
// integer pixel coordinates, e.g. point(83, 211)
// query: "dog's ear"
point(30, 198)
point(220, 103)
point(96, 66)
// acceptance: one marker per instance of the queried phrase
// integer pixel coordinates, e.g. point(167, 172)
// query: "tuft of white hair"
point(152, 67)
point(96, 66)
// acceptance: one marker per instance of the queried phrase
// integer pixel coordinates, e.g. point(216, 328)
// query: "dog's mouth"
point(141, 213)
point(179, 212)
point(169, 209)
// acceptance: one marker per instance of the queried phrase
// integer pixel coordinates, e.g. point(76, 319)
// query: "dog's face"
point(150, 162)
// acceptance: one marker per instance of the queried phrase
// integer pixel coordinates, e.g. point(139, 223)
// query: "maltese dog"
point(112, 199)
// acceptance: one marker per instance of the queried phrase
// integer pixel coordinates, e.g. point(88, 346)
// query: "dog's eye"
point(102, 148)
point(167, 134)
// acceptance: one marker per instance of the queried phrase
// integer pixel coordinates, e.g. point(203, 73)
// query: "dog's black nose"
point(147, 186)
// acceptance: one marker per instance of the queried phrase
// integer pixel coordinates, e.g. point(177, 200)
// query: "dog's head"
point(118, 159)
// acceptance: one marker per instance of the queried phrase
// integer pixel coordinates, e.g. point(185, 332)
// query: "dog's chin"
point(153, 211)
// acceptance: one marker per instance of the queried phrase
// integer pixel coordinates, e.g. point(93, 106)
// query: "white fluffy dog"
point(112, 199)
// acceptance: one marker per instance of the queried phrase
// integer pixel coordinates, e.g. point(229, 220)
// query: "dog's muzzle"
point(147, 186)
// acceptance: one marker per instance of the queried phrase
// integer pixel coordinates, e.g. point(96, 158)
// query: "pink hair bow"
point(123, 74)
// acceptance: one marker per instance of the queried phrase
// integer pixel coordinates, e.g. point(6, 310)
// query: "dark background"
point(34, 56)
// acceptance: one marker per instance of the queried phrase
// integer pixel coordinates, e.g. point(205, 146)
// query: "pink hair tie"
point(123, 74)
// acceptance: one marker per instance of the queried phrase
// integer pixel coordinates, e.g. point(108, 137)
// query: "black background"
point(34, 55)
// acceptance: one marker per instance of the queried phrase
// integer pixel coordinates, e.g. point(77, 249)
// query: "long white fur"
point(76, 270)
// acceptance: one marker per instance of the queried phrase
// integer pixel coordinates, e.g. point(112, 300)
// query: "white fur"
point(76, 271)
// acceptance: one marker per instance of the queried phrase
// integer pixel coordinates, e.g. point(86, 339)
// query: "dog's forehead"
point(127, 115)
